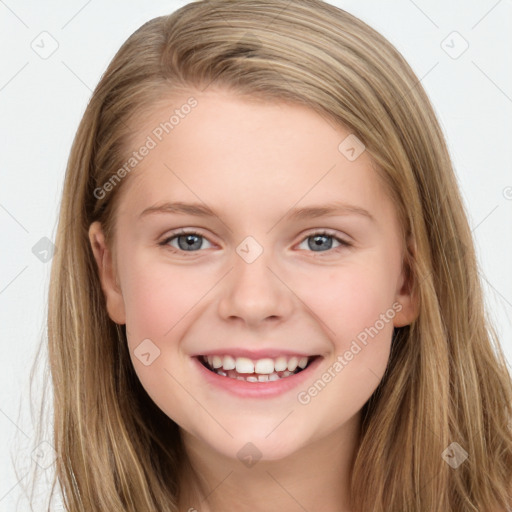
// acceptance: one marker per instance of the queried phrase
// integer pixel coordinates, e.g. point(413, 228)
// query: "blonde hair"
point(447, 379)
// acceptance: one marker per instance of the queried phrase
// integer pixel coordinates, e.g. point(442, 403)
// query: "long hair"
point(447, 379)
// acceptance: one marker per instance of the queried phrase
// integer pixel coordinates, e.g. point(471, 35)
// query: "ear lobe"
point(407, 294)
point(108, 279)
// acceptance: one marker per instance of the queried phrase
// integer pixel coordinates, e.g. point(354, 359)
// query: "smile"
point(261, 377)
point(261, 370)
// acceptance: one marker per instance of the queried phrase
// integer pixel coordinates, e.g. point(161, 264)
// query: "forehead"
point(246, 153)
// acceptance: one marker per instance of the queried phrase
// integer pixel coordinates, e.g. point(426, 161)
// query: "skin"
point(253, 162)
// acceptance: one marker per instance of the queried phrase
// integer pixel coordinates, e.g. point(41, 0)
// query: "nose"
point(254, 293)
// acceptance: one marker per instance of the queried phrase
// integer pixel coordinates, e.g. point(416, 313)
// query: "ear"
point(406, 293)
point(109, 285)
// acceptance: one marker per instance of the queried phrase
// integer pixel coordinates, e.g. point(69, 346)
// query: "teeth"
point(266, 369)
point(292, 364)
point(244, 365)
point(229, 363)
point(280, 364)
point(265, 366)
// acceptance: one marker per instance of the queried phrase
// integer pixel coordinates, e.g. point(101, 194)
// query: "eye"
point(324, 240)
point(191, 241)
point(188, 241)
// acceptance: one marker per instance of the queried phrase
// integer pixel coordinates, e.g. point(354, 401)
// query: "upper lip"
point(254, 354)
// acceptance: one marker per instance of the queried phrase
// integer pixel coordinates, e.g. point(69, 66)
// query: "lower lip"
point(257, 389)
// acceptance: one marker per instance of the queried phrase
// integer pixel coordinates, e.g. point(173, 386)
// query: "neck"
point(315, 476)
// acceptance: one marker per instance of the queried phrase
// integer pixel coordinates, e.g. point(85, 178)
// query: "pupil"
point(189, 242)
point(319, 239)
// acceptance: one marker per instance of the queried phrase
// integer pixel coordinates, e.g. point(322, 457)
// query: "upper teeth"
point(262, 366)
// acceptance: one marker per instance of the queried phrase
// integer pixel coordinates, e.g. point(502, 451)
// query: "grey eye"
point(321, 242)
point(186, 241)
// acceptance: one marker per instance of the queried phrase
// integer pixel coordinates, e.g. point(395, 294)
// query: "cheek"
point(349, 298)
point(355, 309)
point(354, 304)
point(157, 296)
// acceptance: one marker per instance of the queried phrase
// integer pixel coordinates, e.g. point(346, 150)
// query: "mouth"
point(266, 369)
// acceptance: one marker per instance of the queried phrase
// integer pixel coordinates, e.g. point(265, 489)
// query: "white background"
point(42, 101)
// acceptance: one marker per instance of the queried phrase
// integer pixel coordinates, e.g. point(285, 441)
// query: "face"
point(262, 277)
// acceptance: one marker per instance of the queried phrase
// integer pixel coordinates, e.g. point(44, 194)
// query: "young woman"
point(266, 295)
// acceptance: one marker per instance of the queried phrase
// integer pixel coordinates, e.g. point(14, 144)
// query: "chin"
point(253, 447)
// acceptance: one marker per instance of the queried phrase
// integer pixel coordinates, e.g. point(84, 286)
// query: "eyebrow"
point(308, 212)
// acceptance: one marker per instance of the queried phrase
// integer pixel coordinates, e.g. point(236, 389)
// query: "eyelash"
point(343, 243)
